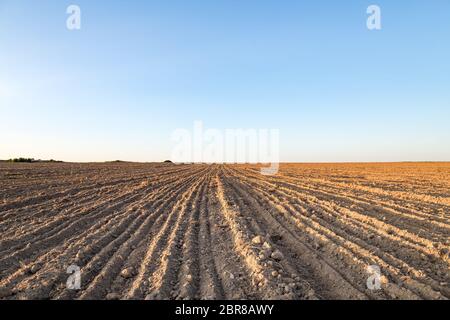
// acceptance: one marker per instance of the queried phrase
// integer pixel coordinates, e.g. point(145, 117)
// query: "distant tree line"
point(30, 160)
point(22, 160)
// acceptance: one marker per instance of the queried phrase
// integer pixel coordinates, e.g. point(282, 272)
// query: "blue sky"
point(138, 70)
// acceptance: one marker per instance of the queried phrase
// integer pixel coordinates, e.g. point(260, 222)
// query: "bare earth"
point(162, 231)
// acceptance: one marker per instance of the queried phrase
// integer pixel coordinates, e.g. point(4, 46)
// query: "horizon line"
point(225, 163)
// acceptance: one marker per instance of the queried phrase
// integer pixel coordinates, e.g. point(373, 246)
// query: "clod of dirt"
point(277, 255)
point(112, 296)
point(127, 273)
point(310, 294)
point(150, 296)
point(276, 237)
point(79, 256)
point(145, 183)
point(5, 292)
point(257, 240)
point(264, 254)
point(35, 268)
point(267, 245)
point(275, 274)
point(443, 252)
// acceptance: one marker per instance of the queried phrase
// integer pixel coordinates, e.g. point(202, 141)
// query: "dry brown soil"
point(163, 231)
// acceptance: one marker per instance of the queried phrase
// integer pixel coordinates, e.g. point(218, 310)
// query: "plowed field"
point(164, 231)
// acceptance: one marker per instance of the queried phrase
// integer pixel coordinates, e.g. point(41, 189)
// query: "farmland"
point(165, 231)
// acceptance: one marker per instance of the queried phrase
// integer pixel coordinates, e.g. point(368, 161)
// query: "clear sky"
point(138, 70)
